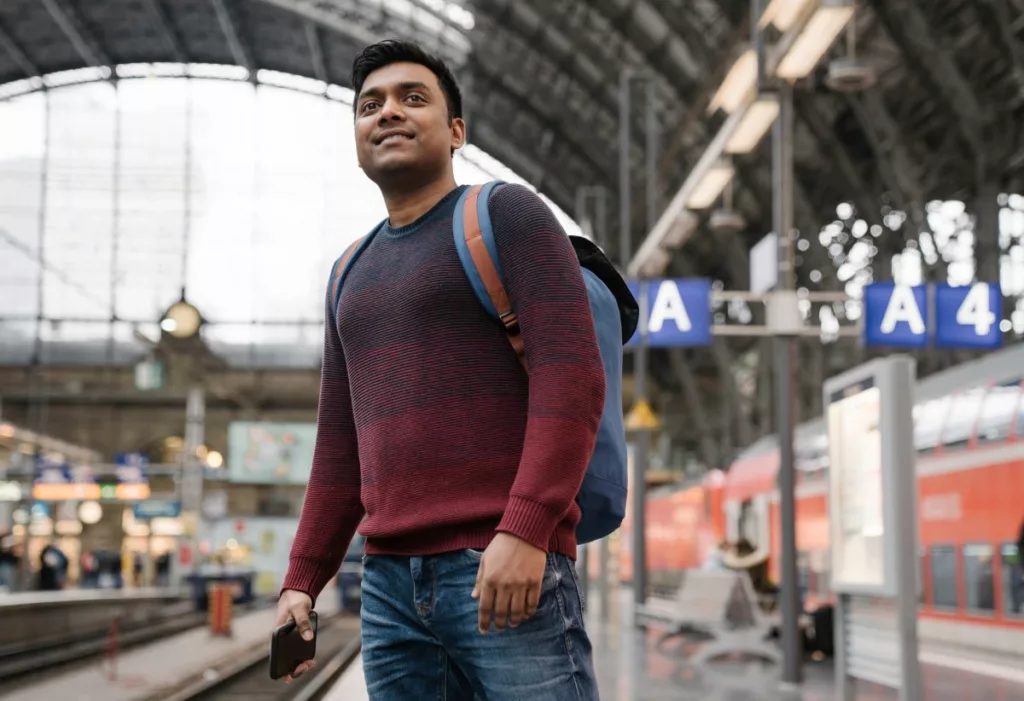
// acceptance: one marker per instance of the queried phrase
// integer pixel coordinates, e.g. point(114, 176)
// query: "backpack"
point(616, 314)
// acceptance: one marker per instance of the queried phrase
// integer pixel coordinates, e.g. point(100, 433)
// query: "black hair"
point(389, 51)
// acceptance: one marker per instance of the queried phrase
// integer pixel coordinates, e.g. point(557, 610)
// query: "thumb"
point(301, 615)
point(479, 578)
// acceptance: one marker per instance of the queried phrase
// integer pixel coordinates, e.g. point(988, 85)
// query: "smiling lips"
point(392, 135)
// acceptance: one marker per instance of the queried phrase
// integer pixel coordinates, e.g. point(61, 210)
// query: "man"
point(465, 467)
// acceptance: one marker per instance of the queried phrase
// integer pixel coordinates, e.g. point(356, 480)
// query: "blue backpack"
point(602, 496)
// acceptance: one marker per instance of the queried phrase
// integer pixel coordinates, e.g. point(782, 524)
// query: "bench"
point(720, 608)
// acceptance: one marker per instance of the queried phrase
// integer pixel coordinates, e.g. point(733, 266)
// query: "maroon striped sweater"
point(427, 423)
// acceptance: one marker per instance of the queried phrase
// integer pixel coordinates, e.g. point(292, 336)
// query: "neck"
point(407, 205)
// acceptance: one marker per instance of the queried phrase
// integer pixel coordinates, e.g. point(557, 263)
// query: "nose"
point(391, 111)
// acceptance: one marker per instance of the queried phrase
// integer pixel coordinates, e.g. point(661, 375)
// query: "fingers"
point(300, 670)
point(517, 611)
point(502, 603)
point(487, 595)
point(532, 600)
point(301, 616)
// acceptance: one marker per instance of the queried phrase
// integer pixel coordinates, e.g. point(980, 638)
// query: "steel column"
point(785, 396)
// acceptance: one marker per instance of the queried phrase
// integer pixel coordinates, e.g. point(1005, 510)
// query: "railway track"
point(18, 661)
point(249, 678)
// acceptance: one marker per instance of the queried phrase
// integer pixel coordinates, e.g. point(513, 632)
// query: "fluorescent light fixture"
point(755, 123)
point(739, 83)
point(711, 185)
point(784, 14)
point(656, 263)
point(815, 39)
point(680, 231)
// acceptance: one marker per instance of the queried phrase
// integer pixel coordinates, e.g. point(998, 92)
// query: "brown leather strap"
point(338, 271)
point(489, 273)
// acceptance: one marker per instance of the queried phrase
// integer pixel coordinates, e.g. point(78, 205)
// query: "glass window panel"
point(997, 412)
point(929, 418)
point(1013, 580)
point(963, 416)
point(944, 591)
point(156, 184)
point(979, 577)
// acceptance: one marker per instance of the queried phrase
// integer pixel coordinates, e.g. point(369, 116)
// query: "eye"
point(367, 106)
point(414, 96)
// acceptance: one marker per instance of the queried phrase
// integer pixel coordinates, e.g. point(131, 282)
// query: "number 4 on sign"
point(976, 310)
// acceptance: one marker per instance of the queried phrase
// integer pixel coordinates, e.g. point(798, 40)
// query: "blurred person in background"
point(8, 563)
point(53, 568)
point(467, 470)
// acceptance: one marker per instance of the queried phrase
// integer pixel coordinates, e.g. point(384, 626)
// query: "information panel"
point(871, 456)
point(274, 453)
point(873, 525)
point(855, 460)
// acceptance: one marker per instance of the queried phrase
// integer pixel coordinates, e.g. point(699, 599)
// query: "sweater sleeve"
point(332, 508)
point(545, 286)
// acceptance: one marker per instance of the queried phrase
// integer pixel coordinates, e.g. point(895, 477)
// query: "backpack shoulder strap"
point(474, 241)
point(344, 263)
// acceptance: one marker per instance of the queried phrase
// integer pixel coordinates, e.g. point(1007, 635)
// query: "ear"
point(458, 133)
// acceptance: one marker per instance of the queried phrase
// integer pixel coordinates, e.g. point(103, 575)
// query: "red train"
point(969, 436)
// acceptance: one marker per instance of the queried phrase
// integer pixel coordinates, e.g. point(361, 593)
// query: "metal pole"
point(192, 470)
point(625, 163)
point(785, 396)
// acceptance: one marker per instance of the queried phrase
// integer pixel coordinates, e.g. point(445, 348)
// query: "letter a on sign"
point(668, 304)
point(902, 307)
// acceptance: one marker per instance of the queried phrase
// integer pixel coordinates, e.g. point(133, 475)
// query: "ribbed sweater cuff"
point(306, 575)
point(530, 521)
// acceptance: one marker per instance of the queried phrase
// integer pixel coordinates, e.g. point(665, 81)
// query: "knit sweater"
point(428, 425)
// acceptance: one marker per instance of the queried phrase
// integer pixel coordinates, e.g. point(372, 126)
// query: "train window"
point(963, 416)
point(943, 559)
point(997, 412)
point(979, 575)
point(1013, 580)
point(929, 418)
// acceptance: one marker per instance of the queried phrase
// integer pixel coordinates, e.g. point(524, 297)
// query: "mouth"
point(392, 136)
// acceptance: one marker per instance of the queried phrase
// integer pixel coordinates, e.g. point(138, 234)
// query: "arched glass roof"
point(116, 196)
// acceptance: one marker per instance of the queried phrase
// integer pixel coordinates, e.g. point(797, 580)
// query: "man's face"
point(402, 122)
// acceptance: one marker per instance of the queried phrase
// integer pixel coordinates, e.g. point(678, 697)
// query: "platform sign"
point(678, 312)
point(59, 481)
point(901, 316)
point(156, 508)
point(872, 507)
point(895, 315)
point(968, 316)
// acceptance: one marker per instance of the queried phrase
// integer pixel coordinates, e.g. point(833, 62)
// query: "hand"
point(508, 582)
point(296, 605)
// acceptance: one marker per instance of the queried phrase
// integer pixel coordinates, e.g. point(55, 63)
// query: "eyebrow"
point(406, 86)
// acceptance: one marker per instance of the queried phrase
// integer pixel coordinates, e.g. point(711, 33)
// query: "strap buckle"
point(511, 321)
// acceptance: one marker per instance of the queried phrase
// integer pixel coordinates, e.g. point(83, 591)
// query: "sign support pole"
point(785, 397)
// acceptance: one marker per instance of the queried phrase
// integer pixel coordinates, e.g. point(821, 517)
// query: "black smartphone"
point(288, 650)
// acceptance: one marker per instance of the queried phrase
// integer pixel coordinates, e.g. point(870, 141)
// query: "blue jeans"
point(421, 641)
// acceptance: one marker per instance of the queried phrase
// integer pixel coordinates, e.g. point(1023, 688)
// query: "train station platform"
point(158, 669)
point(632, 666)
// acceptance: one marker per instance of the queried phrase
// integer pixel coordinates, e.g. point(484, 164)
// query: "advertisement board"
point(261, 452)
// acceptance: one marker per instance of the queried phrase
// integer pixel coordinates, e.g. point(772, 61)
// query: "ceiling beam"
point(997, 15)
point(85, 44)
point(170, 36)
point(240, 51)
point(17, 55)
point(911, 32)
point(868, 201)
point(316, 52)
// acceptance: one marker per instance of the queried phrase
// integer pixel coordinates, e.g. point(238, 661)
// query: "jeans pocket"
point(474, 554)
point(576, 582)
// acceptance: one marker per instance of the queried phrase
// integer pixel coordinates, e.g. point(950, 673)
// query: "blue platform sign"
point(895, 315)
point(678, 312)
point(968, 316)
point(130, 468)
point(156, 508)
point(961, 317)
